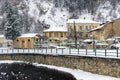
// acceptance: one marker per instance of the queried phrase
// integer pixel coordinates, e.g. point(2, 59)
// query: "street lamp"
point(93, 42)
point(75, 36)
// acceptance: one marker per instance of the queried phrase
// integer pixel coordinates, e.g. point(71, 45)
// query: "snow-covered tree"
point(12, 24)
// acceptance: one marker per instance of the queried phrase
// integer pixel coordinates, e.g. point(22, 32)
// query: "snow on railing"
point(66, 51)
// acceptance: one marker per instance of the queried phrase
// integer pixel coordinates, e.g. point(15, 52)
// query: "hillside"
point(39, 14)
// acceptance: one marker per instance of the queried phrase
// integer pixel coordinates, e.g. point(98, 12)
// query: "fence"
point(66, 51)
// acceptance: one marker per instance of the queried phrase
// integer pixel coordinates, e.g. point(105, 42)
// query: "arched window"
point(80, 28)
point(61, 34)
point(23, 41)
point(17, 40)
point(86, 27)
point(50, 34)
point(28, 40)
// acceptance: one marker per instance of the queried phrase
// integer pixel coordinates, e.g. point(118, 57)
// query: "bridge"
point(102, 62)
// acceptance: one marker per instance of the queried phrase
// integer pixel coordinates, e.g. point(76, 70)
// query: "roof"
point(82, 21)
point(97, 28)
point(56, 29)
point(102, 44)
point(113, 38)
point(2, 36)
point(102, 26)
point(89, 40)
point(28, 35)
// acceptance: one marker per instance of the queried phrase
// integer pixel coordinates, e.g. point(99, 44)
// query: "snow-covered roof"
point(110, 39)
point(102, 44)
point(2, 36)
point(99, 27)
point(1, 17)
point(56, 29)
point(82, 21)
point(113, 38)
point(88, 40)
point(28, 35)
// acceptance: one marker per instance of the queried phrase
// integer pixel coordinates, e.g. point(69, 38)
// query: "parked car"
point(115, 46)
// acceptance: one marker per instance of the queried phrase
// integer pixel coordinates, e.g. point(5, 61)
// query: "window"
point(90, 28)
point(23, 41)
point(65, 34)
point(50, 34)
point(86, 27)
point(70, 27)
point(56, 34)
point(45, 34)
point(61, 34)
point(80, 28)
point(28, 40)
point(17, 40)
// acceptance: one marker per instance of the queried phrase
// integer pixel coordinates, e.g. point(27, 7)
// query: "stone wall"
point(103, 66)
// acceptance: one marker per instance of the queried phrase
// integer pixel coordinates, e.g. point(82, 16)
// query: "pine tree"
point(12, 25)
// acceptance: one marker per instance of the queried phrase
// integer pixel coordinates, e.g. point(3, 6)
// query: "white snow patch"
point(2, 36)
point(56, 29)
point(28, 35)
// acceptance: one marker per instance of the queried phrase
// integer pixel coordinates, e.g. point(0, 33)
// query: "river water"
point(27, 71)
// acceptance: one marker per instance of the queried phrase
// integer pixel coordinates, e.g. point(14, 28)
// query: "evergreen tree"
point(12, 24)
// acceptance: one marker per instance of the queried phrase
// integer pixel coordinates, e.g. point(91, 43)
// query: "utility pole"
point(75, 36)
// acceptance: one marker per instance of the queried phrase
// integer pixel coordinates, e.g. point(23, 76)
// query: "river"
point(27, 71)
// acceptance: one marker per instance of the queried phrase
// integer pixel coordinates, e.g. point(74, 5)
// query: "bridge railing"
point(66, 51)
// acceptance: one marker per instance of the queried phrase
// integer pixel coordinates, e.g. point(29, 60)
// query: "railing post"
point(12, 51)
point(69, 50)
point(56, 51)
point(28, 50)
point(7, 50)
point(18, 50)
point(86, 51)
point(2, 50)
point(46, 49)
point(42, 50)
point(62, 51)
point(117, 52)
point(34, 50)
point(78, 50)
point(23, 50)
point(37, 50)
point(51, 50)
point(105, 52)
point(95, 51)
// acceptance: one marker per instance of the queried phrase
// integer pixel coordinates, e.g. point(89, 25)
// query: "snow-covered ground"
point(78, 74)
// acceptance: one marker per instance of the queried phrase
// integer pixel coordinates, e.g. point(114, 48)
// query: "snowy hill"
point(37, 14)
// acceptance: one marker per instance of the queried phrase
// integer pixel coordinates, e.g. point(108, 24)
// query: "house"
point(108, 30)
point(56, 34)
point(80, 27)
point(4, 42)
point(26, 40)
